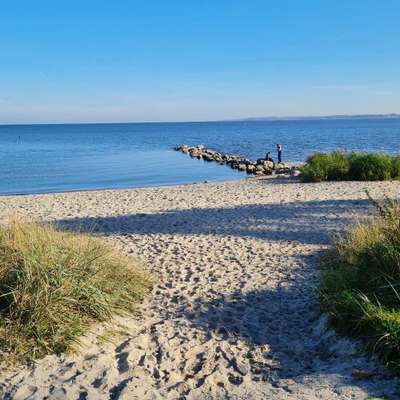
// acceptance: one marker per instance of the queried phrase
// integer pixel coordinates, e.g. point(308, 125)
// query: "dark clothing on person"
point(279, 149)
point(268, 157)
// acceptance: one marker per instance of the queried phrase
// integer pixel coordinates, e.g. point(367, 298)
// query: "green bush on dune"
point(360, 286)
point(396, 166)
point(320, 167)
point(53, 284)
point(338, 166)
point(370, 167)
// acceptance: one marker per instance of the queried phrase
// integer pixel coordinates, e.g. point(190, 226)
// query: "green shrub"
point(53, 284)
point(360, 286)
point(370, 167)
point(396, 167)
point(337, 165)
point(315, 169)
point(320, 167)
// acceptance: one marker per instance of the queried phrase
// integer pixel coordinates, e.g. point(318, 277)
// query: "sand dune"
point(233, 314)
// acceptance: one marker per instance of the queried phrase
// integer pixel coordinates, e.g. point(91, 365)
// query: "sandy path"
point(232, 315)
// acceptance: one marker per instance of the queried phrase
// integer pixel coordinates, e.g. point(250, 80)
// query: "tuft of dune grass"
point(360, 286)
point(54, 284)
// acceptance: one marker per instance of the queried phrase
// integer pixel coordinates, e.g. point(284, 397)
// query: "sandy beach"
point(233, 313)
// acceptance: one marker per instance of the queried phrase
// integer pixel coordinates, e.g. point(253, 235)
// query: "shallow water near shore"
point(58, 158)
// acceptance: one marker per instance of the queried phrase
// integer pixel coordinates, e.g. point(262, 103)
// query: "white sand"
point(232, 315)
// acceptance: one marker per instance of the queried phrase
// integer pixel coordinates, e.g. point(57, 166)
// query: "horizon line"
point(243, 119)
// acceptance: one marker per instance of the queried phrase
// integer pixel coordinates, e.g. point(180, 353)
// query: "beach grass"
point(360, 286)
point(339, 166)
point(54, 284)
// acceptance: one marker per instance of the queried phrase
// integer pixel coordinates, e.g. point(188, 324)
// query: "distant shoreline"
point(246, 119)
point(329, 117)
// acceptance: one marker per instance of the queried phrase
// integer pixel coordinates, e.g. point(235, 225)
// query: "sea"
point(71, 157)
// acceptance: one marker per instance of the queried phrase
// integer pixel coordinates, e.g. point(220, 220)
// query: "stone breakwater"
point(259, 167)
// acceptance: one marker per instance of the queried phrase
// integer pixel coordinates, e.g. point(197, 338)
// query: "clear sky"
point(172, 60)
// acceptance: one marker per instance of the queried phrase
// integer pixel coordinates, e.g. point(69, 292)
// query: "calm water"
point(53, 158)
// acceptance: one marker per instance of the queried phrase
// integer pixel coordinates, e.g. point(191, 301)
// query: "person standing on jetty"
point(279, 150)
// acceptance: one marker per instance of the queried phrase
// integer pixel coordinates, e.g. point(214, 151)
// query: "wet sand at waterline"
point(233, 313)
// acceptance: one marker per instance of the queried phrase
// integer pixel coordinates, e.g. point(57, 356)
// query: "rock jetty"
point(259, 167)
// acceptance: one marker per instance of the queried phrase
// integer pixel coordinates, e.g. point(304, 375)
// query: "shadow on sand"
point(306, 222)
point(297, 345)
point(285, 321)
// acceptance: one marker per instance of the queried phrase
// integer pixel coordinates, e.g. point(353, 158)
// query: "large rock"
point(265, 163)
point(183, 148)
point(282, 168)
point(267, 171)
point(209, 151)
point(251, 169)
point(268, 164)
point(195, 154)
point(260, 168)
point(295, 172)
point(208, 157)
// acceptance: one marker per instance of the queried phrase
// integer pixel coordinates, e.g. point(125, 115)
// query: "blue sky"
point(83, 61)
